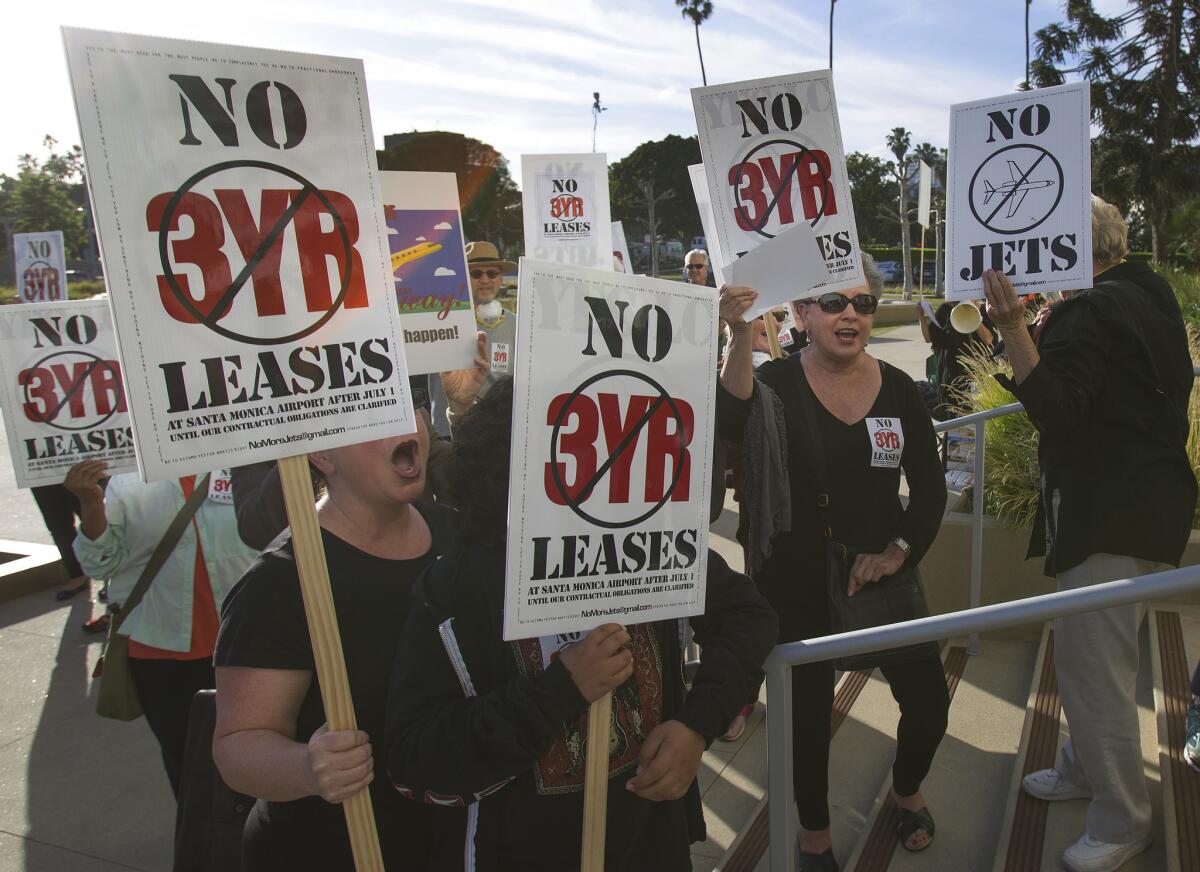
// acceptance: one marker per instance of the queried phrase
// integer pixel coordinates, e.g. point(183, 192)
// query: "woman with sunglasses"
point(862, 405)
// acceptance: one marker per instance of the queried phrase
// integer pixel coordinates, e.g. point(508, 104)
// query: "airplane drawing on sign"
point(1014, 191)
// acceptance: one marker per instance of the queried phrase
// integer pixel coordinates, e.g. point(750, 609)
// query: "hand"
point(735, 302)
point(601, 662)
point(668, 763)
point(1039, 320)
point(462, 386)
point(872, 567)
point(1003, 305)
point(340, 763)
point(84, 478)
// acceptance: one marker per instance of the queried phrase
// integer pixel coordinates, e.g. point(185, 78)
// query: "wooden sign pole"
point(922, 261)
point(772, 326)
point(327, 645)
point(595, 785)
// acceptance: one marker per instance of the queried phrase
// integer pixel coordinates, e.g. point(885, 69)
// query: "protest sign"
point(41, 267)
point(565, 203)
point(612, 434)
point(246, 261)
point(716, 259)
point(621, 261)
point(773, 155)
point(429, 266)
point(64, 401)
point(239, 212)
point(1019, 196)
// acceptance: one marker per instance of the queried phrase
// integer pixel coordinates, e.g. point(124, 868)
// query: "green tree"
point(45, 194)
point(873, 190)
point(487, 194)
point(898, 142)
point(665, 163)
point(1145, 76)
point(698, 11)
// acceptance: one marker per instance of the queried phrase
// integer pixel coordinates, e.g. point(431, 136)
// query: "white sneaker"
point(1093, 855)
point(1050, 785)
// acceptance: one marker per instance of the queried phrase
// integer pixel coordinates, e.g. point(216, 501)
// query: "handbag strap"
point(163, 550)
point(808, 403)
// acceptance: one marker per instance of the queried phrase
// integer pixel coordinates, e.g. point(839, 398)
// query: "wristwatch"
point(902, 545)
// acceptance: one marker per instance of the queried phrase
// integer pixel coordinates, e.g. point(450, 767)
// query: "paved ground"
point(81, 793)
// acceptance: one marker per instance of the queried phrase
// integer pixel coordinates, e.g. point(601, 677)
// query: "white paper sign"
point(621, 261)
point(238, 206)
point(1020, 181)
point(566, 210)
point(716, 258)
point(773, 156)
point(611, 450)
point(777, 273)
point(64, 401)
point(429, 266)
point(924, 193)
point(41, 267)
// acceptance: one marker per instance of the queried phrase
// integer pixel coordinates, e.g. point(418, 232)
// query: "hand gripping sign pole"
point(327, 644)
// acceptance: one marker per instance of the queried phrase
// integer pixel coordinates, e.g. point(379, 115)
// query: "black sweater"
point(864, 489)
point(1109, 398)
point(477, 722)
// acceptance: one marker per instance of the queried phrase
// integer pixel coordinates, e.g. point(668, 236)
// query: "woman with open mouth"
point(868, 421)
point(271, 739)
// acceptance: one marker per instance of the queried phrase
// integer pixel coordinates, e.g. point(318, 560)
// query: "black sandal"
point(913, 822)
point(817, 862)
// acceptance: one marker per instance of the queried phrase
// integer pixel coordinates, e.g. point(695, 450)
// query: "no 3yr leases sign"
point(612, 450)
point(238, 206)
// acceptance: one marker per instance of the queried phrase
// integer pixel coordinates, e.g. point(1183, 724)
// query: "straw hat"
point(486, 254)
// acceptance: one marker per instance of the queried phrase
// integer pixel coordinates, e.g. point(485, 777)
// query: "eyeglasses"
point(696, 265)
point(834, 303)
point(480, 273)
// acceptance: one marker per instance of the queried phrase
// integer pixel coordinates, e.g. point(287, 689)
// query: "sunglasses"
point(696, 265)
point(480, 273)
point(834, 303)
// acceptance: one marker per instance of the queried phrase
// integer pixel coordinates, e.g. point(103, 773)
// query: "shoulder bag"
point(118, 697)
point(891, 599)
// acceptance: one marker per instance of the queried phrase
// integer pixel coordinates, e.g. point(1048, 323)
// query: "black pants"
point(918, 687)
point(165, 689)
point(59, 507)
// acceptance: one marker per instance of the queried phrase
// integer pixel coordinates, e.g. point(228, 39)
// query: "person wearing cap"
point(487, 269)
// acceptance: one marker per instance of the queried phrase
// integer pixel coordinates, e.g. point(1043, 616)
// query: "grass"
point(82, 289)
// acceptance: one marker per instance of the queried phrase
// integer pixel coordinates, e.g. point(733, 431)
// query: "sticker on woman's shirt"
point(500, 362)
point(552, 646)
point(220, 487)
point(887, 442)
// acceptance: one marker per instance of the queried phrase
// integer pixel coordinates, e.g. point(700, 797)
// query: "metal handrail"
point(975, 620)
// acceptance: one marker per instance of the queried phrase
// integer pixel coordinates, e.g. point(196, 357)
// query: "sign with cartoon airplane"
point(1020, 192)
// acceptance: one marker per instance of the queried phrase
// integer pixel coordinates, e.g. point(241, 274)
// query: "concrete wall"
point(1007, 575)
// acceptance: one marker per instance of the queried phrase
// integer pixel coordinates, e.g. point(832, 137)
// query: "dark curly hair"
point(478, 477)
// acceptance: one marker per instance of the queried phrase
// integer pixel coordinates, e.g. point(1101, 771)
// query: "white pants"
point(1096, 658)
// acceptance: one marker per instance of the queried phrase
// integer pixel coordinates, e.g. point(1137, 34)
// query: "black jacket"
point(475, 722)
point(1109, 398)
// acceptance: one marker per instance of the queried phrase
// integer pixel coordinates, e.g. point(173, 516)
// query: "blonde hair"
point(1110, 235)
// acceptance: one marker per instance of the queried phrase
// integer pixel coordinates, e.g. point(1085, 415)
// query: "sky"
point(520, 75)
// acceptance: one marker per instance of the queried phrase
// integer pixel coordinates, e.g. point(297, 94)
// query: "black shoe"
point(67, 593)
point(817, 862)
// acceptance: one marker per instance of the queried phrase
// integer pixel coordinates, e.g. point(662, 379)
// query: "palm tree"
point(698, 11)
point(832, 3)
point(898, 142)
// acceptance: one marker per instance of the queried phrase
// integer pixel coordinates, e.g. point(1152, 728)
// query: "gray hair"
point(874, 276)
point(699, 251)
point(1110, 235)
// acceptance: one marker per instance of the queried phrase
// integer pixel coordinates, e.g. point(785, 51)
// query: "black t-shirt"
point(863, 465)
point(263, 625)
